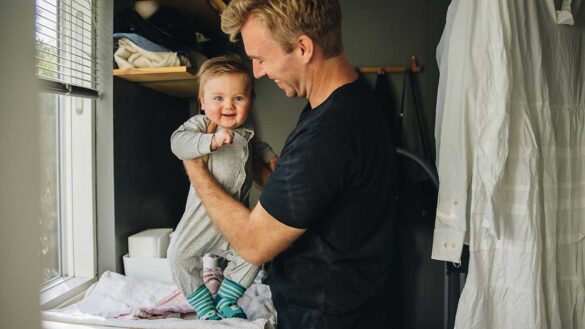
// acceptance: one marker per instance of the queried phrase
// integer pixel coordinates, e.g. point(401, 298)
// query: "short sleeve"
point(311, 173)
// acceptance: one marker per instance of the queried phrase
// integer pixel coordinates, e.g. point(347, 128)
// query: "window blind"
point(65, 45)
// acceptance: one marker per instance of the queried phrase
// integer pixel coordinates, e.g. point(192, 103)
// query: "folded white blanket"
point(119, 301)
point(129, 55)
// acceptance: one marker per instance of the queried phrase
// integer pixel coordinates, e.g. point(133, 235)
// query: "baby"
point(225, 94)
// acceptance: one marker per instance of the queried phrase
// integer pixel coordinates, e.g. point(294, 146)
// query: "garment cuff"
point(204, 145)
point(447, 245)
point(263, 151)
point(268, 154)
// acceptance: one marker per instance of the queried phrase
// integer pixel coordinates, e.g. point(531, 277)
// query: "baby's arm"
point(191, 139)
point(264, 162)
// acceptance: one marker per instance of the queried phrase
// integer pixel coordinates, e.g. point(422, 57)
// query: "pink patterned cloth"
point(175, 304)
point(212, 278)
point(171, 306)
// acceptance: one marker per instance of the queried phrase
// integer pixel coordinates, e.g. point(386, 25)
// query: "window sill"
point(63, 290)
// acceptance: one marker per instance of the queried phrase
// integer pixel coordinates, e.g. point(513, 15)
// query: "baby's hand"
point(272, 163)
point(221, 138)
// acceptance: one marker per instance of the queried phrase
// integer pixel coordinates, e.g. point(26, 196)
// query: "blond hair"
point(288, 19)
point(227, 64)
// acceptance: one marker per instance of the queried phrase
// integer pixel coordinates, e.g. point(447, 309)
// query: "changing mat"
point(120, 301)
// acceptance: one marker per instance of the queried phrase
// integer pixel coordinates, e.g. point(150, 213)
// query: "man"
point(325, 214)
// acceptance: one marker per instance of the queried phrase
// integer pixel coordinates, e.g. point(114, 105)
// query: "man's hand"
point(211, 127)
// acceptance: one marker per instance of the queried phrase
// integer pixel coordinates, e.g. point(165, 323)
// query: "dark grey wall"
point(150, 184)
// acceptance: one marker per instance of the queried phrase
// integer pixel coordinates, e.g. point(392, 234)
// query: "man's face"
point(269, 58)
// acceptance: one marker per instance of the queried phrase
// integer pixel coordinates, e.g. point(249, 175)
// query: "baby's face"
point(226, 100)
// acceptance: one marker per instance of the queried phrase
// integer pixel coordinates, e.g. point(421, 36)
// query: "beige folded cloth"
point(129, 55)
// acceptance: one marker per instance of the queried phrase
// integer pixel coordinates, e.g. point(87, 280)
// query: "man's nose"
point(257, 70)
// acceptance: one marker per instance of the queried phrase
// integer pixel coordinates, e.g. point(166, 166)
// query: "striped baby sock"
point(227, 299)
point(202, 302)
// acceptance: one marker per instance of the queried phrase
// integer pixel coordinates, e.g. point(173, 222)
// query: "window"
point(50, 182)
point(66, 65)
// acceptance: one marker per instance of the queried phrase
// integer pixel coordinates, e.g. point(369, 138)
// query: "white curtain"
point(511, 160)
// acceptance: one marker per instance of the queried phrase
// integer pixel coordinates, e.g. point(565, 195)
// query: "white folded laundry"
point(129, 55)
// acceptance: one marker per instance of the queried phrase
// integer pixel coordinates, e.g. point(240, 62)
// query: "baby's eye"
point(239, 98)
point(218, 98)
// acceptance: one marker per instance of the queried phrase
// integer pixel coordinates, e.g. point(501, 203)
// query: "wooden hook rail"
point(413, 67)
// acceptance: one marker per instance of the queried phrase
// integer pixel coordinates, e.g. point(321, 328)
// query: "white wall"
point(19, 169)
point(105, 216)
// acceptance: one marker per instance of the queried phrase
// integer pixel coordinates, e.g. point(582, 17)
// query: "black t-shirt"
point(335, 178)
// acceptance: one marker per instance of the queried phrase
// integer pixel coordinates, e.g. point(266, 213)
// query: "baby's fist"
point(222, 137)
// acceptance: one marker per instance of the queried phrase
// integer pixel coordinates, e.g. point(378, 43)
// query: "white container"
point(151, 243)
point(148, 268)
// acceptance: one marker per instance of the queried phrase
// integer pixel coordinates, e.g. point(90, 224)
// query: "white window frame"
point(78, 205)
point(75, 80)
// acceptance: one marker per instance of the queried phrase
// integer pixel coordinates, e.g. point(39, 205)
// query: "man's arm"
point(256, 236)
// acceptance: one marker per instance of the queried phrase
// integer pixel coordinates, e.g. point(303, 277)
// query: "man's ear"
point(306, 48)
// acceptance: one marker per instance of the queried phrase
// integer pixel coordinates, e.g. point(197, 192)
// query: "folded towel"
point(129, 55)
point(141, 42)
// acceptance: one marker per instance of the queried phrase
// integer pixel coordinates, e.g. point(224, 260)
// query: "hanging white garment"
point(565, 15)
point(443, 63)
point(512, 163)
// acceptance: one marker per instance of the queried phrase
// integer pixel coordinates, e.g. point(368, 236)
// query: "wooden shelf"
point(178, 81)
point(175, 81)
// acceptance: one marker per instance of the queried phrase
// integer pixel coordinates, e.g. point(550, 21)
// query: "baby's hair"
point(227, 64)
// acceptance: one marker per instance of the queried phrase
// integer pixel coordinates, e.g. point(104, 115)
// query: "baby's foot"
point(212, 278)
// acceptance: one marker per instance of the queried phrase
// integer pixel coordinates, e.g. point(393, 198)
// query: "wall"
point(104, 139)
point(19, 169)
point(150, 184)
